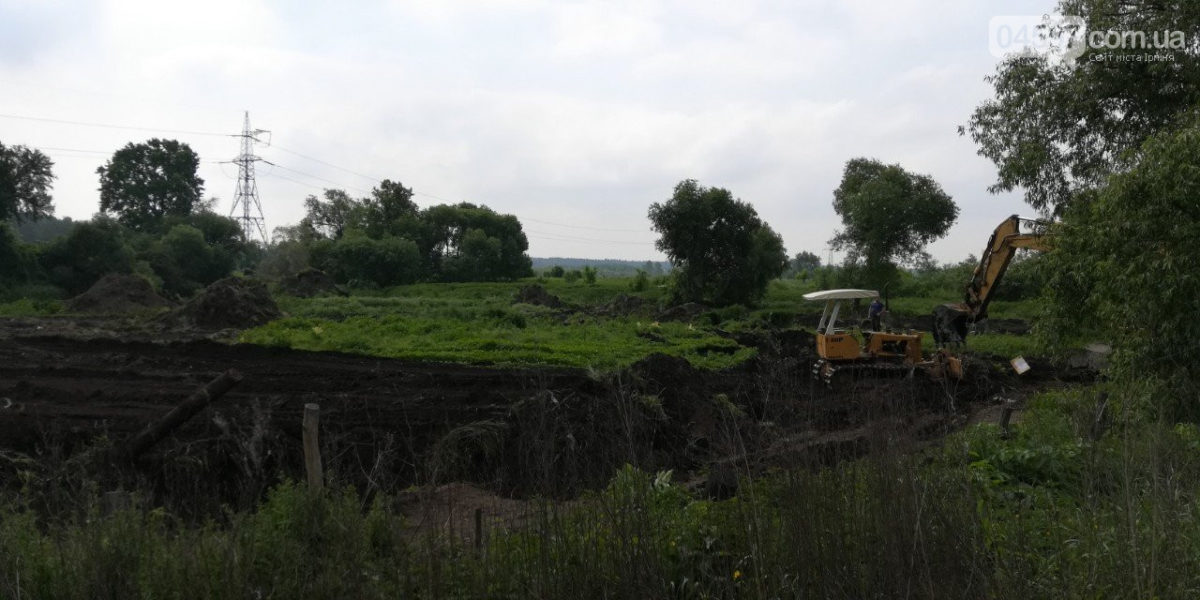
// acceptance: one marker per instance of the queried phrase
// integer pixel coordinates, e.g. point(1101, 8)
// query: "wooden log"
point(156, 431)
point(312, 447)
point(478, 530)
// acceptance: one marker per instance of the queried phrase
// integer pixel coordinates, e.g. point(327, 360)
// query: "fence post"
point(312, 447)
point(1006, 414)
point(478, 530)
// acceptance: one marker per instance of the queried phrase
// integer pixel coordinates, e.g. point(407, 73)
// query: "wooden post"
point(478, 529)
point(179, 415)
point(1005, 416)
point(312, 448)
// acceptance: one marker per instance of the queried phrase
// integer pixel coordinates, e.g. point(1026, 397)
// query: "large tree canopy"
point(25, 182)
point(395, 242)
point(723, 253)
point(466, 242)
point(1124, 263)
point(1055, 128)
point(889, 214)
point(143, 183)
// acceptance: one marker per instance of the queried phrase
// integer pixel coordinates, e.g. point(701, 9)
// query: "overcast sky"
point(575, 116)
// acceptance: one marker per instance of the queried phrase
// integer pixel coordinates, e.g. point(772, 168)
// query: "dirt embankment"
point(387, 424)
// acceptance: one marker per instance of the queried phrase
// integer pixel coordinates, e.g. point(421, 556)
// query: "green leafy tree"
point(805, 262)
point(144, 183)
point(284, 259)
point(455, 239)
point(589, 275)
point(186, 259)
point(26, 176)
point(888, 216)
point(390, 211)
point(723, 253)
point(92, 250)
point(555, 271)
point(1124, 262)
point(1055, 128)
point(45, 229)
point(359, 260)
point(17, 262)
point(332, 216)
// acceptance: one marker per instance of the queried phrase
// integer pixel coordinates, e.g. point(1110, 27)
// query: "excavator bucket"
point(950, 325)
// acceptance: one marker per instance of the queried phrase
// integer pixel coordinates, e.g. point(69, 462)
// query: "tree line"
point(154, 221)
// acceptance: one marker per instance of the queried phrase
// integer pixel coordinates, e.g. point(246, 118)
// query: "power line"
point(277, 165)
point(584, 226)
point(111, 126)
point(53, 149)
point(565, 238)
point(286, 178)
point(329, 164)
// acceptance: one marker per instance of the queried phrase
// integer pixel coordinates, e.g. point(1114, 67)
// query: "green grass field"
point(479, 323)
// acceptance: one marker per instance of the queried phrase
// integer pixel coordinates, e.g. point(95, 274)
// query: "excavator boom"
point(952, 321)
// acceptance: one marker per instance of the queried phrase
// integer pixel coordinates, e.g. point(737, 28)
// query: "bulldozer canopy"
point(841, 294)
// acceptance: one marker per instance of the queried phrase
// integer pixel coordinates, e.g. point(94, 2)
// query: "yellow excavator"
point(952, 322)
point(843, 350)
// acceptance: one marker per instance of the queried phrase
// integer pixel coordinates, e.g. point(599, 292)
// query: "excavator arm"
point(951, 322)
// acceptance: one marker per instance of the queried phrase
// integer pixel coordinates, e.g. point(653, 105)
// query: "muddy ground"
point(72, 387)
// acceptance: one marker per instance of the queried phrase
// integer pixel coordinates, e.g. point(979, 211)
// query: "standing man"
point(874, 313)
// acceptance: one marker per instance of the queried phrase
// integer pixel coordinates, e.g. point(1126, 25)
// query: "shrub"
point(641, 281)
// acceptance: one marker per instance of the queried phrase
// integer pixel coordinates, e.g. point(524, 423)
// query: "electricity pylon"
point(246, 195)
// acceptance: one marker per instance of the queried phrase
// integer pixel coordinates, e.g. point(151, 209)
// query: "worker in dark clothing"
point(874, 313)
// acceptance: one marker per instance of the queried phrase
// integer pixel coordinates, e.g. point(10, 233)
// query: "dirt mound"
point(538, 296)
point(624, 305)
point(309, 283)
point(683, 312)
point(117, 293)
point(231, 303)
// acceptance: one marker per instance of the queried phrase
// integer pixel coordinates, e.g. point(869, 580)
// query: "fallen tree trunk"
point(156, 431)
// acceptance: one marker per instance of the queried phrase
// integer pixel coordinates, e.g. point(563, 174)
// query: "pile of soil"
point(231, 303)
point(538, 296)
point(309, 283)
point(683, 312)
point(117, 293)
point(624, 305)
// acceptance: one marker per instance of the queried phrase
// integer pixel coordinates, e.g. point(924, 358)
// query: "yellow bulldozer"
point(852, 352)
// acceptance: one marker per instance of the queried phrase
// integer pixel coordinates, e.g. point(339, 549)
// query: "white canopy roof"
point(841, 294)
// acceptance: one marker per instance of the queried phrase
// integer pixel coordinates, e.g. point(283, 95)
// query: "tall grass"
point(1091, 495)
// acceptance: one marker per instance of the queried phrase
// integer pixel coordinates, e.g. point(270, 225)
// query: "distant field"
point(479, 323)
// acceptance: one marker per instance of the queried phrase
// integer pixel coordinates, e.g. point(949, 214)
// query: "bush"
point(185, 261)
point(380, 262)
point(1123, 266)
point(641, 282)
point(18, 262)
point(91, 251)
